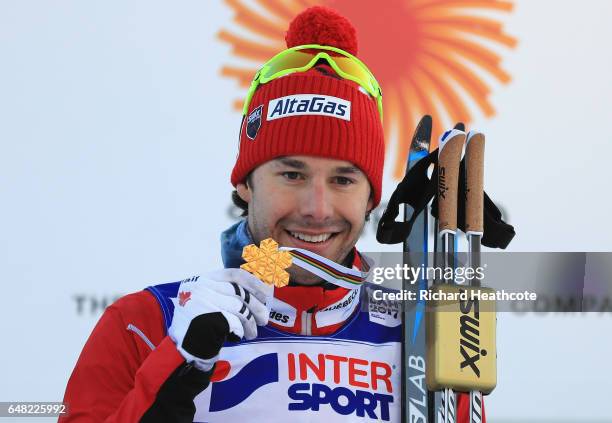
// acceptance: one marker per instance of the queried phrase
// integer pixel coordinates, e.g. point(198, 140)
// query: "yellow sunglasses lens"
point(284, 62)
point(293, 60)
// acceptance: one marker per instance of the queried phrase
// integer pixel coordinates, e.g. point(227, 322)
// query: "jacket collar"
point(233, 240)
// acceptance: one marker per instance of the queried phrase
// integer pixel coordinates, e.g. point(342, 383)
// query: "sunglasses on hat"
point(303, 58)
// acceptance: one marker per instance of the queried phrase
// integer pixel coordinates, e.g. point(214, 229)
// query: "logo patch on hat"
point(309, 104)
point(254, 122)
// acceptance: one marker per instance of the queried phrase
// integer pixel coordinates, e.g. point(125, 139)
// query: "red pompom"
point(323, 26)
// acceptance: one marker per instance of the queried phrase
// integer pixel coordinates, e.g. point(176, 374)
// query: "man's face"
point(308, 202)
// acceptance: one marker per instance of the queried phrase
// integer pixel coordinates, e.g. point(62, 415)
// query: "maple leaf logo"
point(184, 297)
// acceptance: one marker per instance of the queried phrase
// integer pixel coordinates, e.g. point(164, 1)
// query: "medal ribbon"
point(329, 270)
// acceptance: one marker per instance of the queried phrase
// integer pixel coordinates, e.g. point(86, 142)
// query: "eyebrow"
point(347, 170)
point(298, 164)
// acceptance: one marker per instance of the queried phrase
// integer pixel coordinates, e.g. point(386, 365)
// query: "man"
point(224, 346)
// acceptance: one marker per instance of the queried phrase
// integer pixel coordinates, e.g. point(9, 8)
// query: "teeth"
point(311, 238)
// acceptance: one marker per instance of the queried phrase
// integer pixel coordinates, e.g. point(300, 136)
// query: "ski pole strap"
point(416, 190)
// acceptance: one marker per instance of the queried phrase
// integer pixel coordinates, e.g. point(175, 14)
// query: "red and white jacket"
point(327, 354)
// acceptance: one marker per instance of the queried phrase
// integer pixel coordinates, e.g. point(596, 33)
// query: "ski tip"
point(423, 128)
point(421, 140)
point(426, 119)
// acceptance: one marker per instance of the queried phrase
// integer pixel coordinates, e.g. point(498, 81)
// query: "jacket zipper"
point(141, 334)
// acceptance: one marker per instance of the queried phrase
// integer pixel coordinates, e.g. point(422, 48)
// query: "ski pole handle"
point(474, 181)
point(449, 157)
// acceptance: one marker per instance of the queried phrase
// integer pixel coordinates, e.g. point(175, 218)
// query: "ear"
point(370, 205)
point(244, 192)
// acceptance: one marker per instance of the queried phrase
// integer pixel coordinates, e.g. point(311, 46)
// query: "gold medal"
point(267, 263)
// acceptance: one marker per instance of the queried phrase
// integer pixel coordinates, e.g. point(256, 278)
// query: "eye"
point(343, 180)
point(292, 176)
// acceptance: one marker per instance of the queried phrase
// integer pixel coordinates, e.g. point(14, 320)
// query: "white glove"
point(227, 304)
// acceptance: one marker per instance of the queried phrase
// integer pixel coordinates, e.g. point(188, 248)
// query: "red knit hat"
point(314, 113)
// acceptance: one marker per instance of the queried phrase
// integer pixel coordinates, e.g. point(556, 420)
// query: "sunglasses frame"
point(372, 87)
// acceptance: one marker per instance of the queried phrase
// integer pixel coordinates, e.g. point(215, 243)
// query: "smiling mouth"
point(314, 239)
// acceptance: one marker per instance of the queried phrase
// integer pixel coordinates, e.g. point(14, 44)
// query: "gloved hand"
point(227, 304)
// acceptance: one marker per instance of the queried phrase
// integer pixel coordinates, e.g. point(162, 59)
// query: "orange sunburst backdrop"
point(429, 56)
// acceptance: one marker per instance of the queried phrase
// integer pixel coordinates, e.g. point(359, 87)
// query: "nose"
point(316, 201)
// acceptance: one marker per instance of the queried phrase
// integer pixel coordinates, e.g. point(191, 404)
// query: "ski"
point(415, 248)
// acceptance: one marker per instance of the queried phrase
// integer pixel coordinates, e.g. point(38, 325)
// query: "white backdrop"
point(118, 136)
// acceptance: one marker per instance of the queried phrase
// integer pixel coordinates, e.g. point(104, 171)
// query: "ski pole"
point(434, 397)
point(474, 228)
point(449, 157)
point(461, 353)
